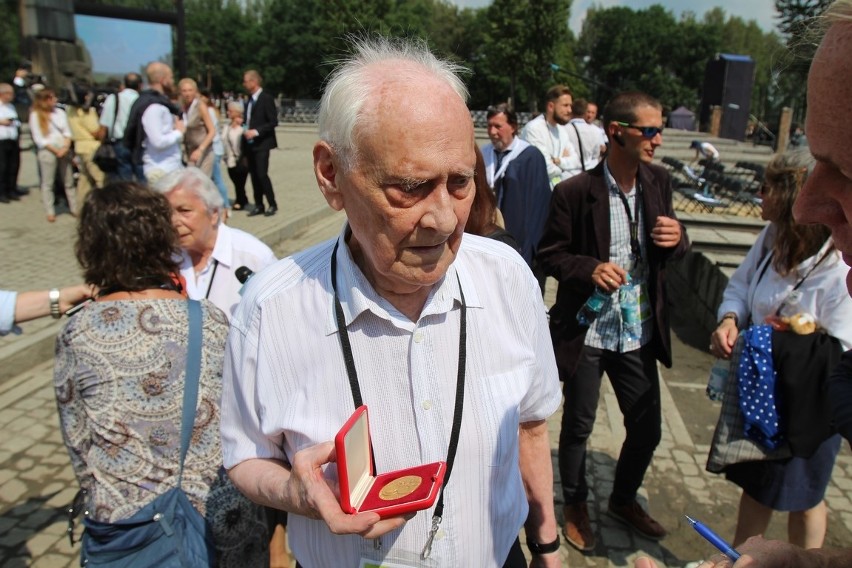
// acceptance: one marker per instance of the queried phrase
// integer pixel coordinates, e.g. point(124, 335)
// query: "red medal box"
point(389, 494)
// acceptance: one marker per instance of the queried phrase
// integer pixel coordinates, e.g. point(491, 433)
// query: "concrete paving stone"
point(58, 526)
point(39, 431)
point(6, 475)
point(682, 456)
point(688, 469)
point(12, 491)
point(841, 504)
point(843, 483)
point(663, 465)
point(41, 543)
point(42, 451)
point(24, 463)
point(63, 498)
point(37, 519)
point(8, 415)
point(66, 474)
point(833, 491)
point(14, 537)
point(39, 473)
point(22, 424)
point(694, 482)
point(57, 455)
point(54, 561)
point(7, 522)
point(616, 538)
point(28, 403)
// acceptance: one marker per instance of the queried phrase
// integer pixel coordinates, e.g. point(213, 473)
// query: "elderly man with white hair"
point(442, 334)
point(212, 251)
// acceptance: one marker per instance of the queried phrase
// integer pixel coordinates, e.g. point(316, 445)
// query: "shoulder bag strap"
point(580, 144)
point(191, 380)
point(114, 117)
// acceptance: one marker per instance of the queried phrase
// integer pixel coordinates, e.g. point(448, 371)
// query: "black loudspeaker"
point(728, 82)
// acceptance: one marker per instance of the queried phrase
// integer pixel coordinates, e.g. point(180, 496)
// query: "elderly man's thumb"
point(644, 562)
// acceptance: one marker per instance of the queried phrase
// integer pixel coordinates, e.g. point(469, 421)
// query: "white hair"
point(354, 81)
point(234, 105)
point(195, 180)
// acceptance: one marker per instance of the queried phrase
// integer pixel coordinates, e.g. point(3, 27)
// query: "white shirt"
point(492, 173)
point(57, 129)
point(824, 293)
point(8, 299)
point(126, 98)
point(162, 148)
point(12, 131)
point(234, 248)
point(250, 107)
point(553, 142)
point(286, 388)
point(588, 140)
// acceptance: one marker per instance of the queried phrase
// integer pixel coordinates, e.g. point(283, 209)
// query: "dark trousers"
point(515, 560)
point(126, 170)
point(258, 165)
point(636, 384)
point(10, 160)
point(238, 175)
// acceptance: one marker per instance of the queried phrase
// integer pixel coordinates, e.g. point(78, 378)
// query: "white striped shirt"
point(607, 331)
point(286, 389)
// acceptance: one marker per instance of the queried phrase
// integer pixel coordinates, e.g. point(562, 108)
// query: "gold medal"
point(399, 488)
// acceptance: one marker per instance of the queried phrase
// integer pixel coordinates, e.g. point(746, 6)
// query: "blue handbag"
point(169, 531)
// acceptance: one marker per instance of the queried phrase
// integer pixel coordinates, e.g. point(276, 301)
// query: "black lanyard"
point(635, 249)
point(800, 282)
point(349, 360)
point(212, 276)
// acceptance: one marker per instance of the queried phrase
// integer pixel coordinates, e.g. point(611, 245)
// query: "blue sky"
point(763, 11)
point(119, 46)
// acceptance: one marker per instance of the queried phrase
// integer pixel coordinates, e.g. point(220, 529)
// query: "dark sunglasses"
point(647, 131)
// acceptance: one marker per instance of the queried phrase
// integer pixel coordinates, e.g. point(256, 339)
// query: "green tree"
point(522, 41)
point(10, 39)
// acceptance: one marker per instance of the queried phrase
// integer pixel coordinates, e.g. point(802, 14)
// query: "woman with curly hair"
point(120, 372)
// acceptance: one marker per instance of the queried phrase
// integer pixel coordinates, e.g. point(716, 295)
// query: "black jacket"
point(134, 134)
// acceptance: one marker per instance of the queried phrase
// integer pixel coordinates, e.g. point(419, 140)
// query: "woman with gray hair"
point(211, 251)
point(232, 136)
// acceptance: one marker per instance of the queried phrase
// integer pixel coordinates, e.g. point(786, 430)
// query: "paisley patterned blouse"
point(119, 388)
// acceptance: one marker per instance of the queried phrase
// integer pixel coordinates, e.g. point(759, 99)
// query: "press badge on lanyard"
point(637, 272)
point(372, 557)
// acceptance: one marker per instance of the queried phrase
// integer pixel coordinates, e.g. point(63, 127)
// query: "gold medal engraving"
point(399, 488)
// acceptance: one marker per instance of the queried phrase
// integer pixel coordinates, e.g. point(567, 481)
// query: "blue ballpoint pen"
point(713, 539)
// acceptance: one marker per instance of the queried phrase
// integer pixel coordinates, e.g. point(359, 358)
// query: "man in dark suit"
point(261, 120)
point(613, 228)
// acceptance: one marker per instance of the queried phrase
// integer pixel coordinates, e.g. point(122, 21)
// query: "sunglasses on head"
point(647, 131)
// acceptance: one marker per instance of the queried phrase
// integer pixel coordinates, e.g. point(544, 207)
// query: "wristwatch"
point(730, 315)
point(546, 548)
point(53, 296)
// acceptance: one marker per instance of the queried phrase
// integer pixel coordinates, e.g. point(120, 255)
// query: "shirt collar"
point(222, 251)
point(613, 186)
point(256, 94)
point(357, 295)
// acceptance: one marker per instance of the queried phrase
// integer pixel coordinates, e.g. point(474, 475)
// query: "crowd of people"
point(149, 132)
point(429, 305)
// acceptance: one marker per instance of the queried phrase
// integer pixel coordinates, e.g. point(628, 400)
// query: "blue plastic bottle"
point(590, 310)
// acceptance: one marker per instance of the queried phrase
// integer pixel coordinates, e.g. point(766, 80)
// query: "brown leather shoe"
point(577, 529)
point(634, 516)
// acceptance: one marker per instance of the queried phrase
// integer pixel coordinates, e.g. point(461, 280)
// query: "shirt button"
point(427, 404)
point(418, 336)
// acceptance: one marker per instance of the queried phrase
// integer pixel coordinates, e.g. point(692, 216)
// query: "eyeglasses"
point(647, 131)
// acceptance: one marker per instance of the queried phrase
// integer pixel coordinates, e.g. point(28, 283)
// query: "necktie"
point(500, 156)
point(249, 104)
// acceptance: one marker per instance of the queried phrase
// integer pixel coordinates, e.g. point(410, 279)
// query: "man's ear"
point(326, 170)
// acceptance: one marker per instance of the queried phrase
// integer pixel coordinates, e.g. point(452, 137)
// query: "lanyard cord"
point(458, 410)
point(799, 283)
point(635, 249)
point(212, 276)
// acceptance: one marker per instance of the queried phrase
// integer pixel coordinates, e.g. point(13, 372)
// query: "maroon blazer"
point(576, 239)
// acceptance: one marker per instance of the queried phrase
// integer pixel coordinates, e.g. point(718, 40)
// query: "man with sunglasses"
point(613, 229)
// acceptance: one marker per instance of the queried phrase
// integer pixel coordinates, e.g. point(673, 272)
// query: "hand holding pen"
point(714, 539)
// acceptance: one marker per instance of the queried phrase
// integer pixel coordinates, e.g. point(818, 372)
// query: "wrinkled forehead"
point(832, 66)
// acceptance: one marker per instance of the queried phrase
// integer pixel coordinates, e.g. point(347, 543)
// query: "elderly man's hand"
point(757, 552)
point(312, 497)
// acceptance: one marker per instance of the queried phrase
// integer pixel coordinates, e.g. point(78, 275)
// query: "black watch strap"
point(546, 548)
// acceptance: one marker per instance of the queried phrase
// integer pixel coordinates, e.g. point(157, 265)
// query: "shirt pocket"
point(495, 416)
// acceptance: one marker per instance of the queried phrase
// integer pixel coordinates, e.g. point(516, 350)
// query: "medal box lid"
point(394, 493)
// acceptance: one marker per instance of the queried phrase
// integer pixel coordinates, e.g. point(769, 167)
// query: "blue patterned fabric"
point(756, 379)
